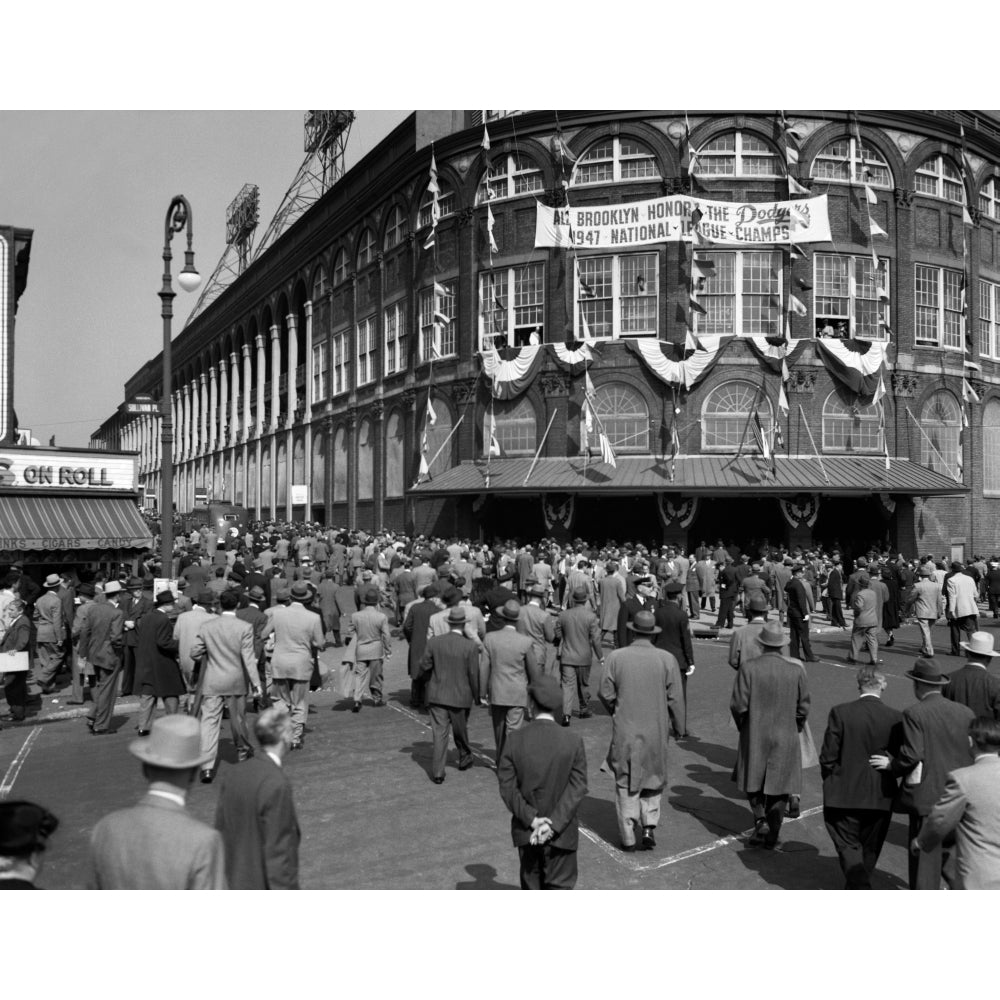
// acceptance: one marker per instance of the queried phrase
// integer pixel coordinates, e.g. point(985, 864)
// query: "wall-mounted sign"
point(142, 406)
point(300, 495)
point(65, 470)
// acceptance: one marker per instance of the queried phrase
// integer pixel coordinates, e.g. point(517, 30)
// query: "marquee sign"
point(93, 471)
point(6, 339)
point(671, 219)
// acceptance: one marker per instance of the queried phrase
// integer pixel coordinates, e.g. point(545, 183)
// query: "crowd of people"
point(518, 627)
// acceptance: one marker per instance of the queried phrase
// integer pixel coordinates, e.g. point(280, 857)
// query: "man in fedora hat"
point(799, 601)
point(298, 636)
point(451, 666)
point(101, 645)
point(969, 811)
point(641, 689)
point(770, 705)
point(645, 598)
point(135, 603)
point(416, 625)
point(229, 662)
point(743, 643)
point(369, 628)
point(961, 607)
point(580, 645)
point(254, 615)
point(675, 636)
point(542, 774)
point(973, 684)
point(157, 671)
point(25, 829)
point(925, 605)
point(156, 844)
point(935, 741)
point(866, 620)
point(187, 625)
point(509, 667)
point(538, 625)
point(49, 633)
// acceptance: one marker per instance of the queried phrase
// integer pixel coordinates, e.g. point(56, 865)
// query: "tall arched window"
point(737, 154)
point(265, 476)
point(238, 491)
point(436, 437)
point(989, 198)
point(281, 476)
point(317, 488)
point(849, 426)
point(615, 159)
point(991, 448)
point(725, 417)
point(299, 461)
point(251, 479)
point(340, 266)
point(938, 177)
point(395, 230)
point(366, 461)
point(511, 176)
point(623, 413)
point(366, 248)
point(446, 204)
point(516, 427)
point(394, 455)
point(941, 420)
point(340, 465)
point(844, 162)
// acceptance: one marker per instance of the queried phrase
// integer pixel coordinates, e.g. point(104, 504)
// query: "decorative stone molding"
point(802, 381)
point(976, 216)
point(408, 398)
point(463, 390)
point(674, 185)
point(903, 196)
point(379, 258)
point(411, 238)
point(905, 384)
point(465, 217)
point(351, 418)
point(555, 197)
point(806, 182)
point(377, 409)
point(555, 384)
point(979, 387)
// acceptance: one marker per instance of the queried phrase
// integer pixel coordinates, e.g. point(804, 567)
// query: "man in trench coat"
point(770, 704)
point(157, 671)
point(641, 688)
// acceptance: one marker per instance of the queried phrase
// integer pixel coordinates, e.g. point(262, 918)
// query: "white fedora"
point(980, 643)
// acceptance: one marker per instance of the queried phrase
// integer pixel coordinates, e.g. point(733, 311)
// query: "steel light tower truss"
point(241, 222)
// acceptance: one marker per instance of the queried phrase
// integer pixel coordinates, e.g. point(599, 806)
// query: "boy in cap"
point(25, 829)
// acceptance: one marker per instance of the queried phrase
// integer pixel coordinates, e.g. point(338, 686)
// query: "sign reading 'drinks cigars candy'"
point(677, 218)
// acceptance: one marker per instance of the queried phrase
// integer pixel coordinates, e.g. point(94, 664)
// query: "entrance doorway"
point(748, 521)
point(852, 525)
point(624, 519)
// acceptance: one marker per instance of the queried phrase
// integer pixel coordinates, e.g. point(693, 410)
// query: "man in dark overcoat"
point(415, 627)
point(157, 667)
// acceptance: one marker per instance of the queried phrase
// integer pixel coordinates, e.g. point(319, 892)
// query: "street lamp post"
point(178, 216)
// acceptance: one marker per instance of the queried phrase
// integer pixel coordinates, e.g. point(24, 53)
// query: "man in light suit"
point(538, 625)
point(187, 625)
point(580, 645)
point(961, 608)
point(451, 663)
point(743, 643)
point(509, 668)
point(298, 635)
point(373, 642)
point(925, 607)
point(542, 774)
point(973, 684)
point(857, 801)
point(226, 642)
point(612, 594)
point(50, 633)
point(969, 808)
point(256, 815)
point(156, 844)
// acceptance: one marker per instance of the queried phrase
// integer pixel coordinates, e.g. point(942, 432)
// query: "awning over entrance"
point(698, 475)
point(49, 523)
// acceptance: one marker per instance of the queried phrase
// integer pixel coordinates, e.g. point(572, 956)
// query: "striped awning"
point(31, 523)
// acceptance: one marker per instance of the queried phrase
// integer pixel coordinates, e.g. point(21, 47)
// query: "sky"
point(95, 187)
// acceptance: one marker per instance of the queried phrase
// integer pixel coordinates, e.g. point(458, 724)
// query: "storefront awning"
point(697, 475)
point(52, 523)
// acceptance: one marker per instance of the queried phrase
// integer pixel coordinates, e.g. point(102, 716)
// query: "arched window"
point(318, 485)
point(366, 248)
point(340, 266)
point(436, 437)
point(844, 162)
point(516, 427)
point(299, 461)
point(281, 476)
point(396, 228)
point(991, 448)
point(238, 484)
point(737, 154)
point(511, 176)
point(394, 455)
point(989, 198)
point(725, 417)
point(320, 285)
point(251, 479)
point(623, 414)
point(446, 204)
point(850, 426)
point(939, 178)
point(340, 466)
point(265, 476)
point(941, 421)
point(366, 461)
point(615, 159)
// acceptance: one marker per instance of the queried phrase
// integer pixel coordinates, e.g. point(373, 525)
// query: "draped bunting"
point(683, 511)
point(773, 350)
point(512, 369)
point(685, 373)
point(573, 359)
point(855, 363)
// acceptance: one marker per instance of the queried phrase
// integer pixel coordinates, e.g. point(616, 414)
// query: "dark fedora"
point(24, 828)
point(673, 588)
point(547, 691)
point(580, 595)
point(511, 611)
point(164, 597)
point(772, 634)
point(256, 593)
point(456, 616)
point(300, 591)
point(926, 672)
point(371, 595)
point(644, 624)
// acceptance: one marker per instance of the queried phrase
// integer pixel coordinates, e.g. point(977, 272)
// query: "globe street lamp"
point(178, 216)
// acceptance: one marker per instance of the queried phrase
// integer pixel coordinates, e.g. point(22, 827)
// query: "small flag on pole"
point(876, 229)
point(490, 221)
point(607, 452)
point(757, 428)
point(871, 195)
point(495, 451)
point(795, 188)
point(431, 415)
point(968, 392)
point(486, 140)
point(435, 189)
point(797, 306)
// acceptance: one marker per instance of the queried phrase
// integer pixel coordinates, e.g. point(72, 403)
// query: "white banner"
point(661, 220)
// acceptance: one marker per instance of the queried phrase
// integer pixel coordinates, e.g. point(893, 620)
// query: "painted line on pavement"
point(723, 842)
point(18, 762)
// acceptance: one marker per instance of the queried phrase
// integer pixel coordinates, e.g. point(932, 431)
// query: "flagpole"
point(819, 457)
point(931, 443)
point(451, 434)
point(534, 461)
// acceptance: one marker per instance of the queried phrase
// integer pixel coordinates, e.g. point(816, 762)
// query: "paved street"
point(371, 818)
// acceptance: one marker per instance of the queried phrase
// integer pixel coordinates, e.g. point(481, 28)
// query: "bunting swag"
point(803, 509)
point(512, 369)
point(685, 373)
point(573, 359)
point(772, 350)
point(558, 508)
point(855, 363)
point(682, 512)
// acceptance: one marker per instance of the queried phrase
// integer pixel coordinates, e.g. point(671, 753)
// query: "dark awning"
point(698, 475)
point(65, 523)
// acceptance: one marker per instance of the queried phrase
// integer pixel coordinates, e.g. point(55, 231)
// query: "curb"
point(63, 715)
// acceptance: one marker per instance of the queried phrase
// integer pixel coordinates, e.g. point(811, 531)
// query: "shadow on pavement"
point(483, 877)
point(717, 815)
point(600, 816)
